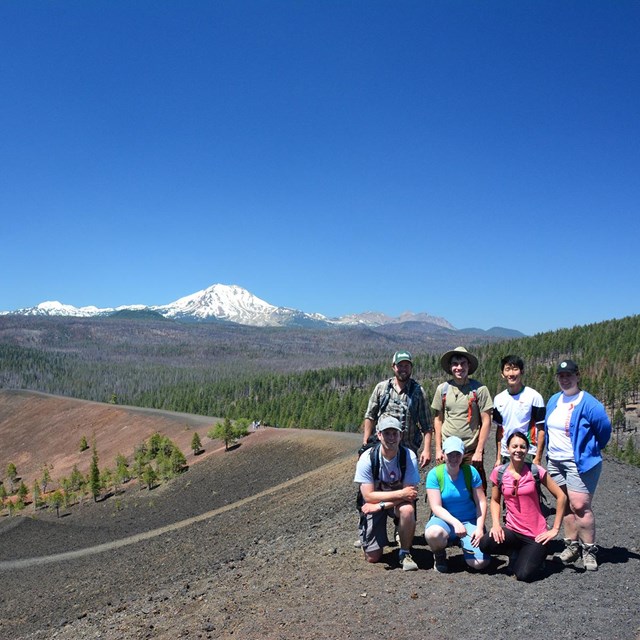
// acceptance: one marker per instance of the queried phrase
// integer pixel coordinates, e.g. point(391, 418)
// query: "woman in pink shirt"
point(525, 533)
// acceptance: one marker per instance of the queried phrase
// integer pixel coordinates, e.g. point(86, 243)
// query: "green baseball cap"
point(401, 356)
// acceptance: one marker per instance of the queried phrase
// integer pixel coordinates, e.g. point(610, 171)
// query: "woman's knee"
point(435, 535)
point(526, 574)
point(529, 564)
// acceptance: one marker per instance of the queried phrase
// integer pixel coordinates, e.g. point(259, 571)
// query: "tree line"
point(329, 398)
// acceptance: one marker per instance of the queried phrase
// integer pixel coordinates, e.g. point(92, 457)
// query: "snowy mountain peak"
point(231, 303)
point(221, 302)
point(55, 308)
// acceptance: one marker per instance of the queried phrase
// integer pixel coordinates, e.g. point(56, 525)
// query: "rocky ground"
point(258, 543)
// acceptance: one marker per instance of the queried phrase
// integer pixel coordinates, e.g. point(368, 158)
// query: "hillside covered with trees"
point(161, 365)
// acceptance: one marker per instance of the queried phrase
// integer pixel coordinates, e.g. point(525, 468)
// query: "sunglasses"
point(514, 490)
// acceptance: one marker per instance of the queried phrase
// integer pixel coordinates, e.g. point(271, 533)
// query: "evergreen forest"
point(234, 380)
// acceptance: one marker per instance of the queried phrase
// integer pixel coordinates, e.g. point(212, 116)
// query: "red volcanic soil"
point(38, 429)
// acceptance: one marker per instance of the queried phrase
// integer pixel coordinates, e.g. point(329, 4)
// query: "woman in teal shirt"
point(458, 506)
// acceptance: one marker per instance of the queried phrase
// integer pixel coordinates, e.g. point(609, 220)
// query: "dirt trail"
point(9, 565)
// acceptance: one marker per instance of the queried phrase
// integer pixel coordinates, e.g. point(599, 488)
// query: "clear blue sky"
point(474, 160)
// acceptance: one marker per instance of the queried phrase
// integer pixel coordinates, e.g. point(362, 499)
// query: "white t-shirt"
point(389, 470)
point(558, 436)
point(522, 412)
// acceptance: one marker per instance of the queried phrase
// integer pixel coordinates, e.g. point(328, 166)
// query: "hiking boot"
point(440, 562)
point(571, 552)
point(407, 562)
point(589, 557)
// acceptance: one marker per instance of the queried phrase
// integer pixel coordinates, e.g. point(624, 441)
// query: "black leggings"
point(531, 554)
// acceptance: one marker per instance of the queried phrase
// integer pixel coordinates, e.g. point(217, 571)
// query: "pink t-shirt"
point(523, 509)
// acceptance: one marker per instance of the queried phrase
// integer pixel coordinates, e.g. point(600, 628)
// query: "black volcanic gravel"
point(284, 565)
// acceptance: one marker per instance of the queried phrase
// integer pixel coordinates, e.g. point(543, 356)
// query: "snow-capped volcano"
point(231, 303)
point(220, 302)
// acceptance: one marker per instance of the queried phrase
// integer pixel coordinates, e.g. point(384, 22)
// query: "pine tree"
point(77, 481)
point(177, 460)
point(223, 431)
point(84, 445)
point(36, 495)
point(629, 454)
point(56, 500)
point(46, 478)
point(122, 469)
point(23, 491)
point(94, 474)
point(149, 476)
point(196, 444)
point(12, 473)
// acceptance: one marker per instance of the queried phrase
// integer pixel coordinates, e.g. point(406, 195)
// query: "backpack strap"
point(535, 472)
point(443, 395)
point(375, 462)
point(473, 397)
point(413, 406)
point(403, 461)
point(374, 456)
point(466, 472)
point(375, 472)
point(501, 470)
point(440, 476)
point(385, 398)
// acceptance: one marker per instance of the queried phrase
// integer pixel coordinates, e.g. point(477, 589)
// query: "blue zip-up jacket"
point(589, 430)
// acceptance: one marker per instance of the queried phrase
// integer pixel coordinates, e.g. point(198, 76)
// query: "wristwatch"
point(383, 506)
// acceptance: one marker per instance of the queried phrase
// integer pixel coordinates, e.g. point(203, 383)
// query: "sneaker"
point(571, 552)
point(589, 557)
point(408, 563)
point(440, 562)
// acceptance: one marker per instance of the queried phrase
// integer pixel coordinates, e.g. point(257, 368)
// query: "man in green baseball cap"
point(403, 398)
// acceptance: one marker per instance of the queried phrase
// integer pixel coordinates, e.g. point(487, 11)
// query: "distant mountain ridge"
point(231, 303)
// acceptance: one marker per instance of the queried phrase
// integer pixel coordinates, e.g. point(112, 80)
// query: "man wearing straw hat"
point(462, 407)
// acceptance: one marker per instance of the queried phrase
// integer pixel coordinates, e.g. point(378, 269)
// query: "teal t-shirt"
point(455, 496)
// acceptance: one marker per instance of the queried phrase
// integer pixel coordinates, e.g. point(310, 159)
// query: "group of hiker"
point(398, 434)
